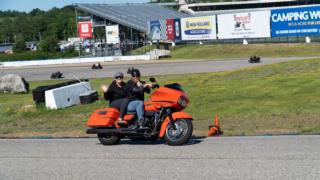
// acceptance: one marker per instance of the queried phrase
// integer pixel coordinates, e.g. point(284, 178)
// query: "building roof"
point(238, 2)
point(135, 16)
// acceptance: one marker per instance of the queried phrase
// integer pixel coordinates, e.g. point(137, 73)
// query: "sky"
point(28, 5)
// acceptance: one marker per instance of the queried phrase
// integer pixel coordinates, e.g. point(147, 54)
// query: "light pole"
point(76, 13)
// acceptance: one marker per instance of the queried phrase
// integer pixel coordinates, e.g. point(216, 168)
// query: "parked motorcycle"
point(164, 118)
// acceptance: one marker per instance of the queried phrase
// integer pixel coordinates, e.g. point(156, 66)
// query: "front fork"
point(172, 122)
point(163, 113)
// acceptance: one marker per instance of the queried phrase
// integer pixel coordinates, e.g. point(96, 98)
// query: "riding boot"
point(136, 125)
point(141, 123)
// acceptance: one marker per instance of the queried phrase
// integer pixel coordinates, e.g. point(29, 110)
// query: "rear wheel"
point(180, 134)
point(107, 139)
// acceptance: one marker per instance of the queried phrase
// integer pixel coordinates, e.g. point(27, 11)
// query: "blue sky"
point(28, 5)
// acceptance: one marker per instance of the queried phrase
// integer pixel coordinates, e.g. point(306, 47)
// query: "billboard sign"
point(295, 21)
point(85, 29)
point(244, 25)
point(155, 33)
point(177, 29)
point(198, 28)
point(112, 34)
point(170, 29)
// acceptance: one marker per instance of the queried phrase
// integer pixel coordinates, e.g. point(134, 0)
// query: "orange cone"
point(216, 121)
point(215, 130)
point(212, 131)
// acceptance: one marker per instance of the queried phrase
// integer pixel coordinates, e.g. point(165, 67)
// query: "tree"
point(20, 44)
point(46, 27)
point(49, 44)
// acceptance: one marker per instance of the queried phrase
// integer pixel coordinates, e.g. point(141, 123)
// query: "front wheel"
point(179, 133)
point(108, 139)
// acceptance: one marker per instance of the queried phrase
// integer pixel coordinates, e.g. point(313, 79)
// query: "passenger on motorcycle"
point(117, 95)
point(135, 89)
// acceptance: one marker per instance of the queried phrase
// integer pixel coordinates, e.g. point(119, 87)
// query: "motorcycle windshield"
point(174, 86)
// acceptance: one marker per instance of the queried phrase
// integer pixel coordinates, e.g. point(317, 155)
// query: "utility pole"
point(77, 31)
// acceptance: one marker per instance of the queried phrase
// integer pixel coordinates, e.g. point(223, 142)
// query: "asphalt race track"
point(218, 158)
point(147, 68)
point(236, 158)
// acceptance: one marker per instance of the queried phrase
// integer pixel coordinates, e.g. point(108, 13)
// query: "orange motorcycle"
point(164, 118)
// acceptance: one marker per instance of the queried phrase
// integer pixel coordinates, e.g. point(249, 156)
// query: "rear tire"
point(106, 139)
point(180, 135)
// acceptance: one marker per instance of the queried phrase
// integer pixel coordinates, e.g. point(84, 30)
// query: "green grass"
point(281, 98)
point(227, 51)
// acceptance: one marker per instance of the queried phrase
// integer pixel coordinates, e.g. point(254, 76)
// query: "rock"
point(13, 83)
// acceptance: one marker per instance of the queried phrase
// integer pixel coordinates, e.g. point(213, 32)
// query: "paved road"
point(147, 68)
point(236, 158)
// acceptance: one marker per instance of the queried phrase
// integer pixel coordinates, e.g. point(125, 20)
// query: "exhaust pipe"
point(124, 131)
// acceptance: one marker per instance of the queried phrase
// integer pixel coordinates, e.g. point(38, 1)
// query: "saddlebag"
point(103, 117)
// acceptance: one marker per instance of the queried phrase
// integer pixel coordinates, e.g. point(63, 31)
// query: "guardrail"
point(75, 61)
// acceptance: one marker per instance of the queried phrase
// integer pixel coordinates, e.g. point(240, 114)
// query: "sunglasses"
point(119, 77)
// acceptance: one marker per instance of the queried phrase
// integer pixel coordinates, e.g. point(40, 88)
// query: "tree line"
point(45, 27)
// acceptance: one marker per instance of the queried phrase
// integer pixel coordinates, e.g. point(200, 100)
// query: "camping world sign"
point(295, 21)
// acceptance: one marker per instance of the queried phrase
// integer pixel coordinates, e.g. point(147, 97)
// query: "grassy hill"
point(281, 98)
point(222, 51)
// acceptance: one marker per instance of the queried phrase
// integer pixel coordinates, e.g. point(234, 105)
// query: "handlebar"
point(155, 86)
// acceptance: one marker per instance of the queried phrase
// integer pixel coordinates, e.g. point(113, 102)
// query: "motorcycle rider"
point(135, 89)
point(117, 95)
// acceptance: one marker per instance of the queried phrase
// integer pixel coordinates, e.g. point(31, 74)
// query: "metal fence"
point(288, 39)
point(126, 48)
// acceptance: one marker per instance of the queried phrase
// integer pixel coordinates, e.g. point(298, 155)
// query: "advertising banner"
point(295, 21)
point(158, 30)
point(177, 29)
point(244, 25)
point(198, 28)
point(170, 29)
point(112, 34)
point(155, 33)
point(85, 29)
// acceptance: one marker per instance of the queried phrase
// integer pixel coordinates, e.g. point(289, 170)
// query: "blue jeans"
point(138, 107)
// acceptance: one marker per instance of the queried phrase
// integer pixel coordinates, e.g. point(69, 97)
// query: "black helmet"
point(134, 72)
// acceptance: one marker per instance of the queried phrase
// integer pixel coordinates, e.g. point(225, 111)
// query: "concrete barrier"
point(65, 96)
point(75, 61)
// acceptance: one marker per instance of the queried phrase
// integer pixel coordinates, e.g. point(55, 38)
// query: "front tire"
point(108, 139)
point(181, 134)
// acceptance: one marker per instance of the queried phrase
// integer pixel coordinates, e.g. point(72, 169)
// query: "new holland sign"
point(198, 28)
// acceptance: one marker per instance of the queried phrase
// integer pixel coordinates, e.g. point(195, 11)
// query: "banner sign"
point(158, 30)
point(244, 25)
point(170, 29)
point(85, 29)
point(155, 33)
point(112, 34)
point(198, 28)
point(177, 29)
point(295, 21)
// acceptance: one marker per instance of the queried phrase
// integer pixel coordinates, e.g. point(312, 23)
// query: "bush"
point(36, 55)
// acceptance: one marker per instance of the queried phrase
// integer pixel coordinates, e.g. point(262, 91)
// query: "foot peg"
point(122, 123)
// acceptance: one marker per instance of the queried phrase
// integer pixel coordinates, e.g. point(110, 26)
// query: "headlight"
point(183, 102)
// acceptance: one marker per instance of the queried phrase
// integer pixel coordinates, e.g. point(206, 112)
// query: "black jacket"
point(135, 92)
point(115, 92)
